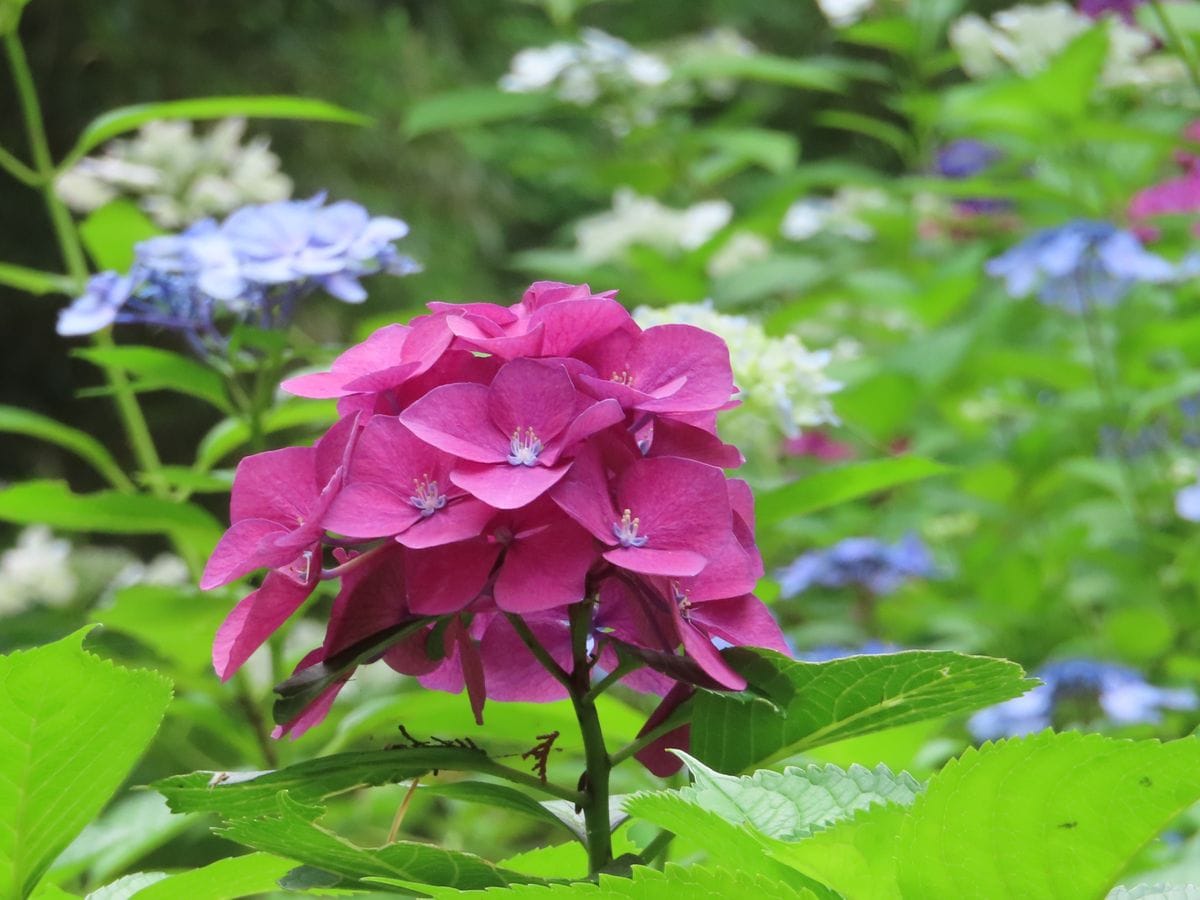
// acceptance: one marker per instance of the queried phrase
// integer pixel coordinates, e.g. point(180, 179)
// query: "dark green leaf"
point(496, 795)
point(811, 704)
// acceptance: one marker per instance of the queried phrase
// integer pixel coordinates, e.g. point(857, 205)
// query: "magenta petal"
point(699, 647)
point(530, 394)
point(677, 563)
point(655, 756)
point(446, 579)
point(572, 325)
point(462, 519)
point(314, 714)
point(368, 510)
point(454, 418)
point(236, 554)
point(504, 346)
point(596, 417)
point(666, 353)
point(681, 504)
point(506, 486)
point(583, 495)
point(744, 621)
point(513, 673)
point(472, 670)
point(731, 571)
point(672, 438)
point(254, 620)
point(545, 570)
point(279, 484)
point(379, 351)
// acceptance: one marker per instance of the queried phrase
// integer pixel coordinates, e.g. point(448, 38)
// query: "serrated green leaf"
point(236, 794)
point(110, 232)
point(650, 884)
point(58, 705)
point(238, 876)
point(292, 829)
point(789, 805)
point(82, 444)
point(1051, 797)
point(811, 704)
point(33, 281)
point(831, 487)
point(470, 107)
point(154, 369)
point(126, 118)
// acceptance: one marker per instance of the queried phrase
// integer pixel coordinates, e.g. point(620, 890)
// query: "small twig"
point(394, 831)
point(656, 847)
point(673, 721)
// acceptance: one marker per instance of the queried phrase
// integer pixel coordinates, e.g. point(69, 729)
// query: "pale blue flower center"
point(524, 448)
point(426, 497)
point(626, 531)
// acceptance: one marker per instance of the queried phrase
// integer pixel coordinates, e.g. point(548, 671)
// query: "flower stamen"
point(626, 531)
point(524, 448)
point(624, 377)
point(426, 496)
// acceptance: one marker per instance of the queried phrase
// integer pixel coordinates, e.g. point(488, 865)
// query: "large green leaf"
point(499, 796)
point(699, 882)
point(793, 706)
point(1049, 798)
point(830, 487)
point(1155, 892)
point(790, 804)
point(154, 369)
point(238, 876)
point(174, 622)
point(291, 829)
point(110, 233)
point(237, 794)
point(118, 121)
point(810, 74)
point(82, 444)
point(127, 831)
point(472, 106)
point(73, 725)
point(33, 281)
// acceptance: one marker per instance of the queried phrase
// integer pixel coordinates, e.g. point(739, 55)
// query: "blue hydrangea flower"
point(1187, 502)
point(1079, 264)
point(966, 157)
point(253, 267)
point(1116, 693)
point(828, 653)
point(858, 561)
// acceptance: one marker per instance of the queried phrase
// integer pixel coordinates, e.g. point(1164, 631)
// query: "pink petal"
point(237, 553)
point(666, 353)
point(681, 504)
point(743, 621)
point(504, 346)
point(583, 495)
point(731, 571)
point(700, 648)
point(454, 418)
point(461, 519)
point(530, 394)
point(373, 598)
point(506, 486)
point(472, 669)
point(370, 510)
point(254, 620)
point(595, 417)
point(545, 570)
point(279, 485)
point(655, 756)
point(513, 672)
point(671, 438)
point(571, 325)
point(314, 714)
point(380, 350)
point(447, 579)
point(657, 562)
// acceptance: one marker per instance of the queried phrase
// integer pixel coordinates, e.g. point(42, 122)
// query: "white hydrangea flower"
point(838, 215)
point(636, 220)
point(36, 571)
point(165, 570)
point(177, 176)
point(780, 380)
point(841, 13)
point(1025, 39)
point(742, 249)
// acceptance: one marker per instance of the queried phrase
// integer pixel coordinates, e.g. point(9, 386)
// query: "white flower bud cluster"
point(781, 382)
point(35, 571)
point(841, 13)
point(635, 220)
point(176, 176)
point(1025, 39)
point(839, 215)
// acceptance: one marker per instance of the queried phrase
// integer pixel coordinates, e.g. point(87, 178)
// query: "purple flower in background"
point(1078, 264)
point(1094, 9)
point(1073, 687)
point(964, 158)
point(860, 562)
point(253, 267)
point(1187, 502)
point(829, 652)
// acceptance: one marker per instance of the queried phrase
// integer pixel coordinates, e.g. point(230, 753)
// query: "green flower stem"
point(656, 847)
point(673, 721)
point(138, 433)
point(532, 781)
point(597, 824)
point(1177, 43)
point(18, 169)
point(623, 668)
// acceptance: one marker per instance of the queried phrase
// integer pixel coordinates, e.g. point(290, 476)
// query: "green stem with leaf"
point(43, 177)
point(597, 823)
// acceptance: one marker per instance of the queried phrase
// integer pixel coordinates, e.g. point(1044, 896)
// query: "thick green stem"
point(597, 823)
point(140, 440)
